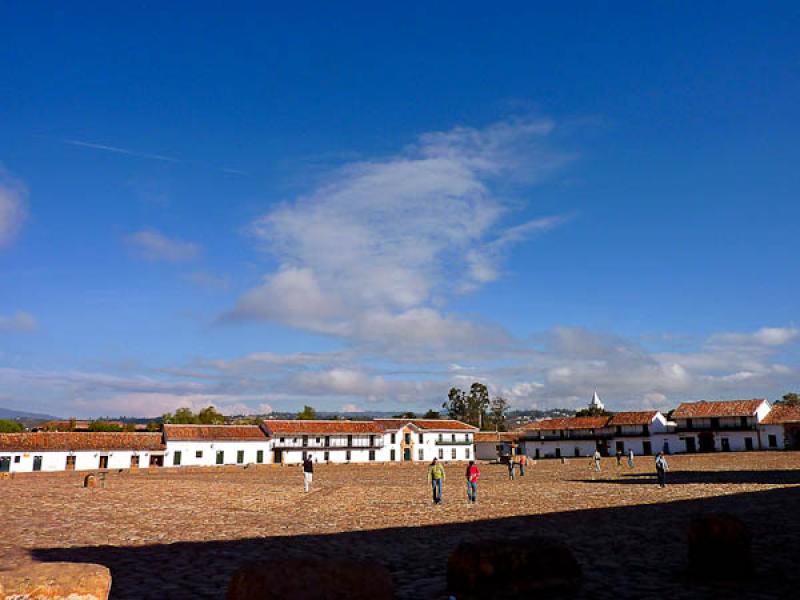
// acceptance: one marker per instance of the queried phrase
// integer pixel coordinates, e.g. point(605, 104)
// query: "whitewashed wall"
point(209, 449)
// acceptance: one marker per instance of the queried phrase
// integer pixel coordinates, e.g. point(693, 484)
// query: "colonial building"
point(643, 432)
point(326, 441)
point(79, 451)
point(426, 439)
point(208, 445)
point(490, 445)
point(725, 426)
point(573, 436)
point(781, 428)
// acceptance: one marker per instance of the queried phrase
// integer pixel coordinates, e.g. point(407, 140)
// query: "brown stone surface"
point(311, 579)
point(90, 481)
point(503, 569)
point(720, 548)
point(182, 533)
point(55, 581)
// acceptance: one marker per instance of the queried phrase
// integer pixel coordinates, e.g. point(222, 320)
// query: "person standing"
point(436, 478)
point(661, 469)
point(473, 473)
point(630, 458)
point(511, 467)
point(596, 457)
point(619, 458)
point(308, 473)
point(523, 461)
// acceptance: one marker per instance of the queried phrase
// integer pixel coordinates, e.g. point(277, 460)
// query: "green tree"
point(477, 404)
point(791, 398)
point(432, 414)
point(405, 415)
point(210, 416)
point(153, 426)
point(592, 412)
point(104, 426)
point(9, 426)
point(182, 416)
point(456, 405)
point(308, 413)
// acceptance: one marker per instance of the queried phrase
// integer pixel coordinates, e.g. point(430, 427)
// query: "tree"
point(791, 398)
point(498, 409)
point(210, 416)
point(104, 426)
point(153, 426)
point(592, 412)
point(9, 426)
point(308, 413)
point(406, 415)
point(477, 404)
point(456, 405)
point(182, 416)
point(432, 414)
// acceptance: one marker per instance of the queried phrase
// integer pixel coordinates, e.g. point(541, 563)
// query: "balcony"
point(715, 428)
point(290, 444)
point(445, 442)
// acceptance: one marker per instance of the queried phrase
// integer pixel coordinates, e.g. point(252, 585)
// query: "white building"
point(210, 445)
point(491, 446)
point(79, 451)
point(573, 436)
point(726, 426)
point(426, 439)
point(780, 429)
point(644, 432)
point(596, 403)
point(326, 441)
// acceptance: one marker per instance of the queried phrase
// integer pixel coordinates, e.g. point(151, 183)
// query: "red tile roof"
point(491, 436)
point(73, 441)
point(567, 423)
point(633, 418)
point(427, 424)
point(243, 433)
point(723, 408)
point(299, 427)
point(782, 413)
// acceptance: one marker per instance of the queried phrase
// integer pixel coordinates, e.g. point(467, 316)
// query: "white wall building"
point(211, 445)
point(79, 451)
point(491, 446)
point(573, 436)
point(780, 429)
point(326, 441)
point(722, 426)
point(426, 439)
point(644, 432)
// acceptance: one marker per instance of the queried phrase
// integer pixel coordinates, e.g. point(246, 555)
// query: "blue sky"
point(359, 207)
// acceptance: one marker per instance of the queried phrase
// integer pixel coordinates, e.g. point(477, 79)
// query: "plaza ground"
point(180, 533)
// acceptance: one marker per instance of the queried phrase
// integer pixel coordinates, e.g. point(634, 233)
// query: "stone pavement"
point(181, 533)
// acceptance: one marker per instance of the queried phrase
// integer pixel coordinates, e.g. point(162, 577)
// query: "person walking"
point(619, 458)
point(436, 478)
point(473, 473)
point(523, 461)
point(511, 468)
point(308, 473)
point(596, 457)
point(630, 458)
point(661, 469)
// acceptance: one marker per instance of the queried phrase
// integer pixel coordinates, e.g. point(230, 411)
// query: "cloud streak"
point(13, 207)
point(152, 245)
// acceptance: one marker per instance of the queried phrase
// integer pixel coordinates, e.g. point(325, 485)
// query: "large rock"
point(719, 548)
point(56, 581)
point(311, 579)
point(511, 569)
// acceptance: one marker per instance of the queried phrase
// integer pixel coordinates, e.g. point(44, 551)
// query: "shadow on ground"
point(626, 552)
point(774, 477)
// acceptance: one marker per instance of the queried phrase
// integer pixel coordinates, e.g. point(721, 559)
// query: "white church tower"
point(596, 402)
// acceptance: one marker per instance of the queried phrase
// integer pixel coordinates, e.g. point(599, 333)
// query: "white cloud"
point(766, 336)
point(152, 245)
point(13, 207)
point(351, 408)
point(18, 321)
point(371, 254)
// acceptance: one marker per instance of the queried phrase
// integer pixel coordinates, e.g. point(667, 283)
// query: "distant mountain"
point(18, 415)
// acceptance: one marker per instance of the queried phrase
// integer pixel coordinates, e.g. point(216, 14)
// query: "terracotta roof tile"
point(427, 424)
point(722, 408)
point(299, 427)
point(633, 418)
point(177, 433)
point(783, 413)
point(74, 441)
point(567, 423)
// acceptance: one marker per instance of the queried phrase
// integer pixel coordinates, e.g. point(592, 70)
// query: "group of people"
point(437, 476)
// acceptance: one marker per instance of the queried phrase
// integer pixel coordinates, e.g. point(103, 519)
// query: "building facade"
point(422, 440)
point(781, 428)
point(212, 445)
point(644, 432)
point(722, 426)
point(326, 441)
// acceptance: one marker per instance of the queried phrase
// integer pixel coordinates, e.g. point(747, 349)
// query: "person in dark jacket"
point(661, 469)
point(308, 473)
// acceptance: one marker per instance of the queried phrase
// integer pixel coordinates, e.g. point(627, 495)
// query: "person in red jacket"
point(473, 473)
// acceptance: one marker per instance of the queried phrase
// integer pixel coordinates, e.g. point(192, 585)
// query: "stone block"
point(719, 548)
point(90, 481)
point(55, 581)
point(312, 579)
point(512, 569)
